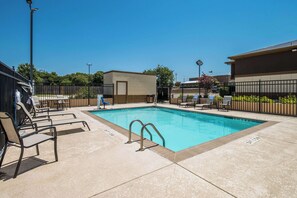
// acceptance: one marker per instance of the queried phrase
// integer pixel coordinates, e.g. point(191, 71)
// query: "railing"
point(77, 95)
point(130, 131)
point(271, 97)
point(156, 130)
point(264, 96)
point(9, 79)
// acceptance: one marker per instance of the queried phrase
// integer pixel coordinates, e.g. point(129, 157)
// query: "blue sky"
point(135, 35)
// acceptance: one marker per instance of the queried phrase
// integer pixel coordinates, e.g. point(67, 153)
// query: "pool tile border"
point(189, 152)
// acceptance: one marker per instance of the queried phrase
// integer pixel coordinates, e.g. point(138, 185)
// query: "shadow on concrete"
point(67, 132)
point(29, 163)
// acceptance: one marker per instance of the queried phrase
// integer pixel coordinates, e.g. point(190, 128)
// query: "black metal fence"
point(272, 97)
point(9, 83)
point(77, 95)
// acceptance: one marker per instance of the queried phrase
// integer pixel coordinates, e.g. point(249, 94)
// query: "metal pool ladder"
point(130, 130)
point(144, 127)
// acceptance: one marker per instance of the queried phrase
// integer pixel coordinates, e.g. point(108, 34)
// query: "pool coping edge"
point(189, 152)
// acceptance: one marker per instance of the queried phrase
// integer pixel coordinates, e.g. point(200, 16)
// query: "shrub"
point(252, 98)
point(217, 99)
point(290, 99)
point(224, 91)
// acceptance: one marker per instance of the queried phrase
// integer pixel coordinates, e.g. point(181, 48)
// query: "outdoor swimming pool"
point(180, 129)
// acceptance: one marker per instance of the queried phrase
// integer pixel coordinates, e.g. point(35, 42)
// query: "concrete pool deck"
point(100, 164)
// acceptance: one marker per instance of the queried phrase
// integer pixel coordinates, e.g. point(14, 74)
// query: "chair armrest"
point(27, 126)
point(38, 131)
point(51, 127)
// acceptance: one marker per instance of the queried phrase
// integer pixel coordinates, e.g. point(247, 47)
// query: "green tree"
point(78, 78)
point(24, 70)
point(49, 78)
point(97, 78)
point(165, 76)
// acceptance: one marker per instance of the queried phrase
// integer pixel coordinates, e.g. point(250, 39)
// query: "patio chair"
point(45, 112)
point(208, 104)
point(104, 102)
point(29, 120)
point(62, 102)
point(184, 101)
point(13, 138)
point(193, 102)
point(226, 103)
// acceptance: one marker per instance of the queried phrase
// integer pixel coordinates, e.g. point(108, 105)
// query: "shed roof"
point(267, 50)
point(127, 72)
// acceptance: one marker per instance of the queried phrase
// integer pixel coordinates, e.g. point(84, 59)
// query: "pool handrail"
point(130, 130)
point(156, 130)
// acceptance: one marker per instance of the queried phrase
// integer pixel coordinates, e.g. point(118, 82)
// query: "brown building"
point(278, 62)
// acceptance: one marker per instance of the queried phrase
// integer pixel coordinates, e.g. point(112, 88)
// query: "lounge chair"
point(47, 121)
point(226, 103)
point(208, 104)
point(45, 112)
point(184, 101)
point(193, 102)
point(104, 102)
point(13, 138)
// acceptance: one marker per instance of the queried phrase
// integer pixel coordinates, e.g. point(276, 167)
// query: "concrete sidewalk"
point(100, 164)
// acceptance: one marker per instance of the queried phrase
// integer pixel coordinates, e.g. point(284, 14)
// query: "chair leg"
point(19, 163)
point(87, 125)
point(3, 154)
point(56, 151)
point(37, 149)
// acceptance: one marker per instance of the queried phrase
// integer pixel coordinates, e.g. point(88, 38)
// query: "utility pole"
point(89, 65)
point(199, 63)
point(32, 10)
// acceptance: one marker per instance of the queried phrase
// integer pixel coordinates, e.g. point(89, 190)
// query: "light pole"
point(32, 10)
point(199, 63)
point(89, 65)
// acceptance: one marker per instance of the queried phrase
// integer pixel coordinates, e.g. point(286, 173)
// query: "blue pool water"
point(180, 129)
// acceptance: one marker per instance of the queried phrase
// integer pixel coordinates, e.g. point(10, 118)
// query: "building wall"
point(288, 76)
point(139, 85)
point(270, 64)
point(107, 79)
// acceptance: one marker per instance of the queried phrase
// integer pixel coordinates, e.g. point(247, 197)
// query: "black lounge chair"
point(208, 104)
point(226, 103)
point(14, 138)
point(46, 122)
point(44, 111)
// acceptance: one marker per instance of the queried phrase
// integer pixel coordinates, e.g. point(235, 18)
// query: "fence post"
point(183, 94)
point(112, 93)
point(13, 94)
point(259, 96)
point(89, 94)
point(296, 96)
